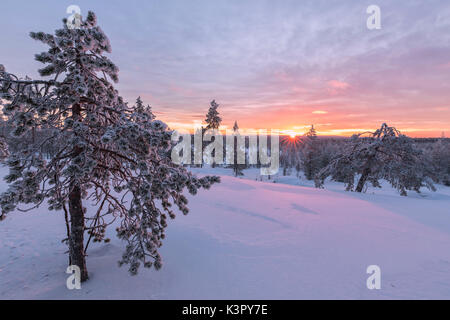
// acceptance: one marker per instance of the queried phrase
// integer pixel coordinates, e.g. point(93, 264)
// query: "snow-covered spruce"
point(310, 154)
point(237, 167)
point(4, 149)
point(106, 152)
point(439, 155)
point(290, 154)
point(213, 119)
point(384, 154)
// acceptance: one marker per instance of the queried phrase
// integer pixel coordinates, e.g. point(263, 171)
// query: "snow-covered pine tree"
point(141, 109)
point(384, 154)
point(237, 168)
point(213, 119)
point(105, 153)
point(290, 153)
point(329, 148)
point(310, 154)
point(440, 157)
point(4, 150)
point(235, 126)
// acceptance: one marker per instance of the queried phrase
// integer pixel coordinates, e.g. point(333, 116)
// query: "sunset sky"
point(269, 64)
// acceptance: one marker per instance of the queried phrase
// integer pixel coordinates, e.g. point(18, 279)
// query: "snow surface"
point(248, 239)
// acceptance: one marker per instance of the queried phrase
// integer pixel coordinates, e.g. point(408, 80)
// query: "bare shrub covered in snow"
point(103, 151)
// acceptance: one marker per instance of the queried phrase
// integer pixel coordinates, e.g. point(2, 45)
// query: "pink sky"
point(283, 65)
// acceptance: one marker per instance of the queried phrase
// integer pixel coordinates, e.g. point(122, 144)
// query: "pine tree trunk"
point(76, 241)
point(362, 180)
point(366, 172)
point(235, 156)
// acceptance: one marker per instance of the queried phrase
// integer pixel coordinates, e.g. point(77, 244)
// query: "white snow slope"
point(247, 239)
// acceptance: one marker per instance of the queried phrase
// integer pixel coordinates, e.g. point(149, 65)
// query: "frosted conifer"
point(105, 153)
point(4, 150)
point(440, 157)
point(213, 119)
point(310, 154)
point(237, 168)
point(384, 154)
point(290, 152)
